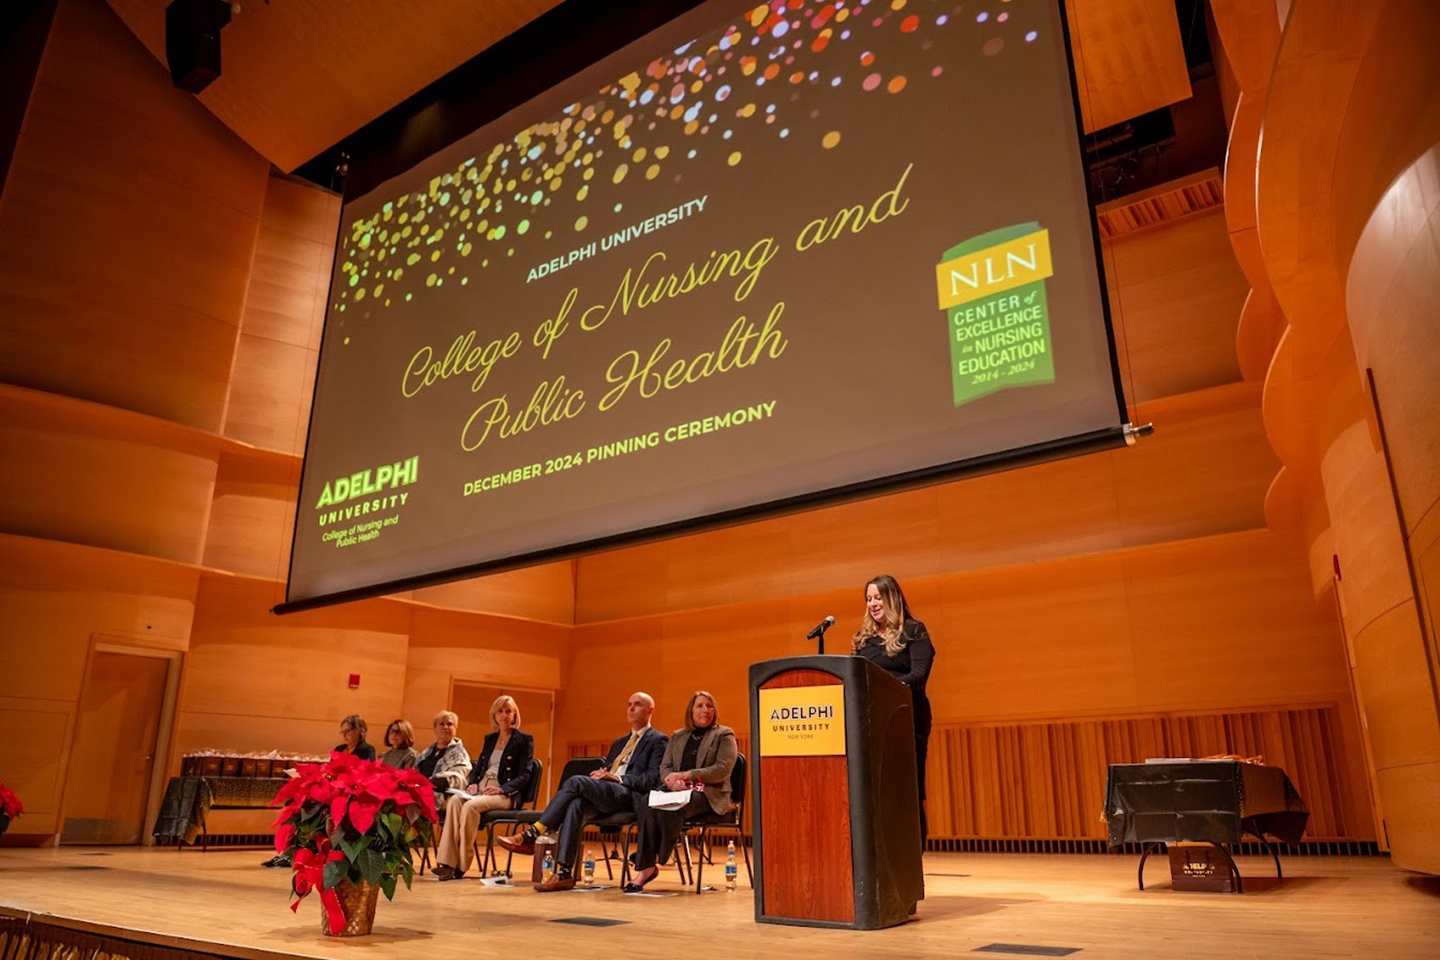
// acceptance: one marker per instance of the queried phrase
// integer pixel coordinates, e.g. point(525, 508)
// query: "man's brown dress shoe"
point(555, 882)
point(519, 843)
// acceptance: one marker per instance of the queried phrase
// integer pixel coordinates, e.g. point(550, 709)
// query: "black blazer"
point(514, 762)
point(365, 750)
point(642, 774)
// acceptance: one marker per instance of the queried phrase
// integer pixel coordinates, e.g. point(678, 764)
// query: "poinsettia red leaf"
point(362, 813)
point(283, 835)
point(338, 807)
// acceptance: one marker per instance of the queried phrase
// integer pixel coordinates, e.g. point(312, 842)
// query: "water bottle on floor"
point(730, 868)
point(549, 865)
point(589, 872)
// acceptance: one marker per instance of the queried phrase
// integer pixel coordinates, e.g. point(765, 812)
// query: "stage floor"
point(223, 902)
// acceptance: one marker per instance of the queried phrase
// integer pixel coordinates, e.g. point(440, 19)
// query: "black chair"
point(624, 823)
point(578, 767)
point(491, 817)
point(709, 821)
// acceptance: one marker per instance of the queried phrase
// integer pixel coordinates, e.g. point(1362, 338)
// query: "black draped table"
point(189, 800)
point(1202, 801)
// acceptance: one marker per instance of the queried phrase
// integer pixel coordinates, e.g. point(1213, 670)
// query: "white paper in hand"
point(669, 799)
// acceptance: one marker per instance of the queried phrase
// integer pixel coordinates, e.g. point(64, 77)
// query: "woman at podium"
point(891, 638)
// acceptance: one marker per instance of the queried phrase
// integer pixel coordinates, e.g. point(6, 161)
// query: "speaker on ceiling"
point(192, 41)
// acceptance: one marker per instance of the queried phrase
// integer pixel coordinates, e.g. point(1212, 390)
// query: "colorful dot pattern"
point(647, 126)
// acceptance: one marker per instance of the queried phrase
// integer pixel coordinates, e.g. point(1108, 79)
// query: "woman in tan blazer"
point(699, 756)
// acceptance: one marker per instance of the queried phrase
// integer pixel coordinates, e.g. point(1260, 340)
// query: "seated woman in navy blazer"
point(497, 782)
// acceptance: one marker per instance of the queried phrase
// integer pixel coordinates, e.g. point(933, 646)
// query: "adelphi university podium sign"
point(803, 721)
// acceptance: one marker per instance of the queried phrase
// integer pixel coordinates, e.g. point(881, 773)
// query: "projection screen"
point(766, 256)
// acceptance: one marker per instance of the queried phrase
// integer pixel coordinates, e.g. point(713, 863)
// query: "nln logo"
point(1007, 272)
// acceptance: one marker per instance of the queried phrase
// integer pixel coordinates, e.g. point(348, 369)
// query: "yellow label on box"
point(803, 721)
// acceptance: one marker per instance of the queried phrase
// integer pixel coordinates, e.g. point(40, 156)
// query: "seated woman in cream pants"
point(497, 782)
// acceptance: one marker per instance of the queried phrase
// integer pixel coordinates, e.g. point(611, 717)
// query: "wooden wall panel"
point(285, 303)
point(56, 595)
point(58, 598)
point(1230, 620)
point(248, 668)
point(1202, 476)
point(1204, 472)
point(1391, 290)
point(159, 201)
point(545, 592)
point(33, 758)
point(253, 515)
point(1348, 107)
point(1394, 105)
point(1175, 293)
point(269, 402)
point(1392, 672)
point(1046, 780)
point(446, 646)
point(88, 474)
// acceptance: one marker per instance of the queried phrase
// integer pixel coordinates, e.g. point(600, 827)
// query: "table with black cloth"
point(189, 800)
point(1202, 801)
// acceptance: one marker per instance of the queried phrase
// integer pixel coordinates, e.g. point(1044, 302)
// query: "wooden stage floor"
point(223, 902)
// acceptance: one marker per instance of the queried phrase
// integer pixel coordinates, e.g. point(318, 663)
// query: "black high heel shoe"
point(633, 887)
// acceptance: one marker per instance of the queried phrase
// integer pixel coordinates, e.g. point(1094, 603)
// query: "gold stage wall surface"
point(161, 295)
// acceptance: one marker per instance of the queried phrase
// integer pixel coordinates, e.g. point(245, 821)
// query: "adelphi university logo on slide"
point(358, 508)
point(802, 721)
point(992, 288)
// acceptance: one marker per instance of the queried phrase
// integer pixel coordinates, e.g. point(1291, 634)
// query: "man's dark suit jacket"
point(642, 774)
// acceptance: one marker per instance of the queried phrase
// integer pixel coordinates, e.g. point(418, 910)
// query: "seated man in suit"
point(631, 769)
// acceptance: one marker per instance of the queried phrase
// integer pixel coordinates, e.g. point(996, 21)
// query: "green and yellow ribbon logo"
point(992, 289)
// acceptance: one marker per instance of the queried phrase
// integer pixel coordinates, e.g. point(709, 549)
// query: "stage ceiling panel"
point(299, 77)
point(1129, 58)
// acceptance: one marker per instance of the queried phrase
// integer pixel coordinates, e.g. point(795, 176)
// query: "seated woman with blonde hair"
point(701, 755)
point(445, 763)
point(497, 782)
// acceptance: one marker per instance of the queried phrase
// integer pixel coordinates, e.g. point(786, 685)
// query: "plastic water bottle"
point(730, 868)
point(589, 869)
point(549, 865)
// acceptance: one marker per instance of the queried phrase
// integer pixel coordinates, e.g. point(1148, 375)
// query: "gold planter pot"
point(357, 902)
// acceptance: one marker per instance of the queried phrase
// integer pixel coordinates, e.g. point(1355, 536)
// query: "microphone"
point(820, 628)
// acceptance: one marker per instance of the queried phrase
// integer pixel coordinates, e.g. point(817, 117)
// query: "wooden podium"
point(836, 808)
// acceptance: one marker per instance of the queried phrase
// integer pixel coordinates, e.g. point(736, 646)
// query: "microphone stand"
point(823, 628)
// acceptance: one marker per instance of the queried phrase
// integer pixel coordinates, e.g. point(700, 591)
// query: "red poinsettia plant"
point(10, 807)
point(352, 819)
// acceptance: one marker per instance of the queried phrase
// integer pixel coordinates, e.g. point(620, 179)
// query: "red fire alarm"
point(354, 681)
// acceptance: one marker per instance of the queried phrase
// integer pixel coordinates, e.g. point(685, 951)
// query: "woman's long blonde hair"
point(897, 612)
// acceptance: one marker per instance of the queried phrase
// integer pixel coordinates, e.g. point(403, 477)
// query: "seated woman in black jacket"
point(352, 733)
point(497, 782)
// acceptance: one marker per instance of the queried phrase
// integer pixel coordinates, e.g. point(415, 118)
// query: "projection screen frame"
point(1123, 434)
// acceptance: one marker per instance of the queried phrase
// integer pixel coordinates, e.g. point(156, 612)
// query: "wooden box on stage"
point(1200, 866)
point(836, 805)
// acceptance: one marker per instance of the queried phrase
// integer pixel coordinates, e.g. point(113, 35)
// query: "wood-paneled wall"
point(1046, 780)
point(1332, 111)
